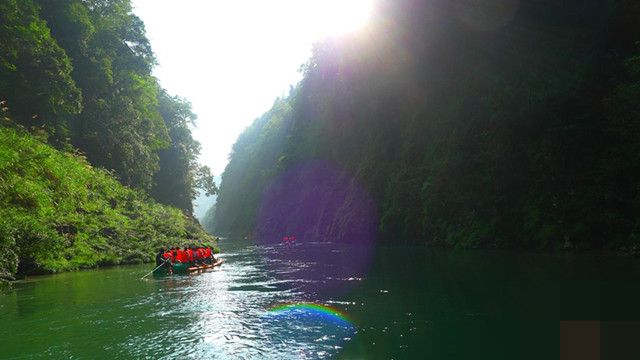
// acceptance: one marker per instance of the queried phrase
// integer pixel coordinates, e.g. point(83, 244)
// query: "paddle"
point(150, 272)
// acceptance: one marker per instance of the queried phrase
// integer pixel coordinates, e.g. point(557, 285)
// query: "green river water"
point(411, 303)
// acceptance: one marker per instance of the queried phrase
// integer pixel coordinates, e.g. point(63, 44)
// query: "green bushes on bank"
point(58, 213)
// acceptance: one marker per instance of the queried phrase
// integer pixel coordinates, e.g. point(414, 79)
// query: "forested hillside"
point(468, 123)
point(59, 213)
point(81, 70)
point(77, 75)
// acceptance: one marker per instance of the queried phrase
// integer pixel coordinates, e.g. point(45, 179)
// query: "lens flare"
point(316, 309)
point(333, 221)
point(316, 201)
point(309, 330)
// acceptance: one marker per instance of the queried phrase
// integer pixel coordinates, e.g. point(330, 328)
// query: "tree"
point(35, 72)
point(180, 174)
point(120, 127)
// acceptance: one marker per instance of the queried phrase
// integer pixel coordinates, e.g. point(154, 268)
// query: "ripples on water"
point(222, 313)
point(412, 303)
point(228, 312)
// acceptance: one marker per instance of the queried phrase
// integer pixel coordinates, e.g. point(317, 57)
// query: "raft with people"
point(181, 268)
point(187, 260)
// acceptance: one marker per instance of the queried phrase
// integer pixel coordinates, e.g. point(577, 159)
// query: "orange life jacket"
point(179, 256)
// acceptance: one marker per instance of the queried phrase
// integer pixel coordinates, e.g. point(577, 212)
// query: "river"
point(285, 302)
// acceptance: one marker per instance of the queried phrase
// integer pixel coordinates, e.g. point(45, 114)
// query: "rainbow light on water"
point(307, 307)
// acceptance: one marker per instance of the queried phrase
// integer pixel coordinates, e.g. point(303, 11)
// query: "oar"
point(150, 272)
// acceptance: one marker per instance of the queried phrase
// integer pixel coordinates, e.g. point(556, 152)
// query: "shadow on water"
point(425, 303)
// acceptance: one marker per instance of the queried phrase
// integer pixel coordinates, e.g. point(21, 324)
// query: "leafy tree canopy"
point(82, 70)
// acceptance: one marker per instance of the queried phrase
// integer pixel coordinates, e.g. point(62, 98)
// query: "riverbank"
point(58, 213)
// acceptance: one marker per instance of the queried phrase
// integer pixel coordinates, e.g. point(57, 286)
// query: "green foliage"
point(59, 213)
point(180, 174)
point(207, 220)
point(35, 72)
point(81, 70)
point(121, 127)
point(469, 131)
point(252, 164)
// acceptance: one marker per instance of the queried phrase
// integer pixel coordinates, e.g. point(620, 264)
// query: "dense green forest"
point(468, 123)
point(75, 82)
point(59, 213)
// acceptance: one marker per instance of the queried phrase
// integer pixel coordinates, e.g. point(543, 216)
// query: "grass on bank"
point(58, 213)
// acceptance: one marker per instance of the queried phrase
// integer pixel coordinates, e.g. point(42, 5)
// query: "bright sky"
point(232, 58)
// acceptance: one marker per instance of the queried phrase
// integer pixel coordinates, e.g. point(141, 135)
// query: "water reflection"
point(224, 313)
point(413, 303)
point(333, 219)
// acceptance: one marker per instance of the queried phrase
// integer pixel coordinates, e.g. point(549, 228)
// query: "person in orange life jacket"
point(292, 239)
point(210, 254)
point(205, 258)
point(162, 259)
point(182, 256)
point(196, 259)
point(172, 254)
point(199, 254)
point(168, 255)
point(203, 254)
point(188, 254)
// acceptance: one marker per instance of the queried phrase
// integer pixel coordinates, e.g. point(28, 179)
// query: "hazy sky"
point(232, 58)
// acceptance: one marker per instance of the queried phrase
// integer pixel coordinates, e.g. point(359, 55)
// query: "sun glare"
point(231, 43)
point(337, 17)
